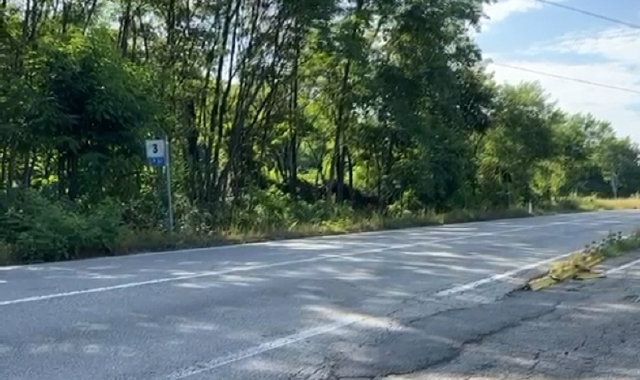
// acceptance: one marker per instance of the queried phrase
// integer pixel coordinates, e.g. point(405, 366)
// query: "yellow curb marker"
point(578, 266)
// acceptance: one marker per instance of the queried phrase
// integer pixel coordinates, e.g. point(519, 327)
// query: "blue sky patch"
point(536, 37)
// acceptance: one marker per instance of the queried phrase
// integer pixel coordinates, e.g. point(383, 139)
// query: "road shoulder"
point(581, 330)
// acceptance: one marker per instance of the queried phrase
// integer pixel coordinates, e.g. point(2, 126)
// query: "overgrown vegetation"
point(285, 118)
point(615, 244)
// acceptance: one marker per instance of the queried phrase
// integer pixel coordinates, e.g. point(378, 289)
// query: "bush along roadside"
point(580, 265)
point(35, 230)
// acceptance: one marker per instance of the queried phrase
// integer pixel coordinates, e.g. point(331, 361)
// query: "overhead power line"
point(577, 80)
point(591, 14)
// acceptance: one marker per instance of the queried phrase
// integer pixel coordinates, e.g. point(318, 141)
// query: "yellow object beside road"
point(577, 266)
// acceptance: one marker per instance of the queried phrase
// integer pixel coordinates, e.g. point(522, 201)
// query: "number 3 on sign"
point(156, 152)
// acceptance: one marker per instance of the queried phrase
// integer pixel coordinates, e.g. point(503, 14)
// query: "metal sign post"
point(169, 192)
point(158, 155)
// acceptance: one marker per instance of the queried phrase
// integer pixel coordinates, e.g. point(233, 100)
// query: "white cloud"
point(618, 44)
point(503, 9)
point(616, 54)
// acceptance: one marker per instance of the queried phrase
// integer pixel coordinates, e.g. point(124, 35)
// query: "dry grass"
point(593, 203)
point(130, 241)
point(141, 241)
point(6, 256)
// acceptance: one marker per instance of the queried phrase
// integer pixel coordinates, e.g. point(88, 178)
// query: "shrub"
point(37, 229)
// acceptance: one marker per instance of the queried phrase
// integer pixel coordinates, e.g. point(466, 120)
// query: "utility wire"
point(577, 80)
point(591, 14)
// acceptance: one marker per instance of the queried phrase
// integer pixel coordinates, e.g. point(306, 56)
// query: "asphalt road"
point(357, 306)
point(584, 330)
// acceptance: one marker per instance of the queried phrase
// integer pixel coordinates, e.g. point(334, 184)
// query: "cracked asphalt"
point(578, 330)
point(427, 303)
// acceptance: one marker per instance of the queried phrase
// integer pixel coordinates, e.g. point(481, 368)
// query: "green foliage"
point(614, 244)
point(287, 118)
point(36, 229)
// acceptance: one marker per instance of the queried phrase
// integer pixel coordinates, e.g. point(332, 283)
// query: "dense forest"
point(279, 113)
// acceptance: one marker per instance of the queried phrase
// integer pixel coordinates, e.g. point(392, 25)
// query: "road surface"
point(584, 330)
point(359, 306)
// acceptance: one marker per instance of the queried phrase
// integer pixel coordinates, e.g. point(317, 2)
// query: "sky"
point(534, 36)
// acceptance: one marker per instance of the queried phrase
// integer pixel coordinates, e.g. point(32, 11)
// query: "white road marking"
point(623, 267)
point(265, 347)
point(151, 282)
point(248, 268)
point(305, 334)
point(476, 284)
point(325, 329)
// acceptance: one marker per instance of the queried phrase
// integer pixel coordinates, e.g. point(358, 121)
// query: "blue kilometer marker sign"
point(156, 152)
point(158, 156)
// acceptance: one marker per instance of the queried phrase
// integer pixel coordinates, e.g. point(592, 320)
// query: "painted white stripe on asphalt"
point(307, 334)
point(265, 347)
point(322, 330)
point(498, 277)
point(623, 267)
point(247, 268)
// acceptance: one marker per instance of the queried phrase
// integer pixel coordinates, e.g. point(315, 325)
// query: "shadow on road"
point(223, 318)
point(560, 334)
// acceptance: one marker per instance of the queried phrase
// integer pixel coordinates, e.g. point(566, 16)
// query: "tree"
point(279, 112)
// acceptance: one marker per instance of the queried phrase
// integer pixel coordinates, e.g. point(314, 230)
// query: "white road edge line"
point(260, 349)
point(623, 267)
point(251, 268)
point(325, 329)
point(498, 277)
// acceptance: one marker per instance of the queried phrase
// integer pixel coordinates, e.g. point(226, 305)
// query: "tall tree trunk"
point(295, 120)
